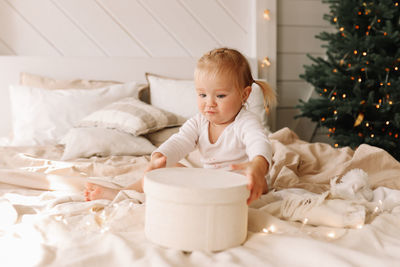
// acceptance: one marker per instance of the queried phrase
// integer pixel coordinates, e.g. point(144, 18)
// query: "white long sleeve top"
point(240, 141)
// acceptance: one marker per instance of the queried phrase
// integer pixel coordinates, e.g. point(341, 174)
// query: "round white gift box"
point(196, 209)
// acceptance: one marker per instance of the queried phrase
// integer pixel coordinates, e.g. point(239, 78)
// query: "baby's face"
point(218, 99)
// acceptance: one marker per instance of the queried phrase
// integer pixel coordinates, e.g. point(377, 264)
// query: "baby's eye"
point(202, 95)
point(221, 96)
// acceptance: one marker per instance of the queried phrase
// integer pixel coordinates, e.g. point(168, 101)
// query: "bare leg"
point(95, 191)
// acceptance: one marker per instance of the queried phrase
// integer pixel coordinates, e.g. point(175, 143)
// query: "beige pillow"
point(159, 137)
point(88, 142)
point(33, 80)
point(132, 116)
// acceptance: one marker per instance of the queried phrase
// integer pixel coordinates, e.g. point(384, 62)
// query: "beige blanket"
point(312, 165)
point(302, 222)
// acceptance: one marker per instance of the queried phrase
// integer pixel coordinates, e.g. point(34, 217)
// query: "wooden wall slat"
point(18, 34)
point(101, 28)
point(56, 27)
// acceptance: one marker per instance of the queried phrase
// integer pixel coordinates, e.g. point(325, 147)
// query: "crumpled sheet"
point(48, 223)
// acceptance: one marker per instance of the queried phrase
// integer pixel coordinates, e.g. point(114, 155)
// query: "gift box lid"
point(196, 185)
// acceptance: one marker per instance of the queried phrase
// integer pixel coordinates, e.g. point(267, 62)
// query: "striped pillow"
point(132, 116)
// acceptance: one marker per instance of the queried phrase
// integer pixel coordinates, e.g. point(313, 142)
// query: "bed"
point(326, 206)
point(61, 126)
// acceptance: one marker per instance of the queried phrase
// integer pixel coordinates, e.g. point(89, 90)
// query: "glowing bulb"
point(331, 235)
point(355, 52)
point(372, 135)
point(272, 228)
point(344, 95)
point(387, 122)
point(364, 53)
point(266, 61)
point(367, 124)
point(267, 14)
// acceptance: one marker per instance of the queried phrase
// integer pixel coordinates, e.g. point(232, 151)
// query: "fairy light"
point(272, 228)
point(267, 13)
point(387, 122)
point(344, 95)
point(355, 52)
point(359, 80)
point(331, 235)
point(336, 145)
point(364, 54)
point(266, 62)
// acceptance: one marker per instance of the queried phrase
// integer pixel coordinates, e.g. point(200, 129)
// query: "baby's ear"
point(246, 93)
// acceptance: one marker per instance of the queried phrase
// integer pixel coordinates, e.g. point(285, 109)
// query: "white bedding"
point(54, 226)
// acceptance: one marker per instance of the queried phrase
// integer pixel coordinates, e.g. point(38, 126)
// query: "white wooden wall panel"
point(236, 9)
point(5, 49)
point(61, 32)
point(102, 28)
point(182, 25)
point(290, 66)
point(225, 30)
point(133, 28)
point(21, 36)
point(145, 26)
point(296, 39)
point(292, 91)
point(298, 23)
point(302, 12)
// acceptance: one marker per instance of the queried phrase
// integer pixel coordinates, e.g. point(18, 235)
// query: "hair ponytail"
point(269, 95)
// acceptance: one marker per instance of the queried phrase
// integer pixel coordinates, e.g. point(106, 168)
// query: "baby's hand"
point(157, 161)
point(255, 170)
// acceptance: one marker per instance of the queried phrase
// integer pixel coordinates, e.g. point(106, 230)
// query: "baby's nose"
point(211, 102)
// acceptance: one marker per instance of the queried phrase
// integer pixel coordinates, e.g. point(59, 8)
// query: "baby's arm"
point(255, 171)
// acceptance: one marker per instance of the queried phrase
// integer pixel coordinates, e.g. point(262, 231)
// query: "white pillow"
point(176, 96)
point(87, 142)
point(179, 97)
point(132, 116)
point(41, 116)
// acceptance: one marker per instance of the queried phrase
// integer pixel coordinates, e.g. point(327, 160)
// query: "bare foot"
point(95, 191)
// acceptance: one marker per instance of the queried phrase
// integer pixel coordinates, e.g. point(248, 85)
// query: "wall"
point(298, 22)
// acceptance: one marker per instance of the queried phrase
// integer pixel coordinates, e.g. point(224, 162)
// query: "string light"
point(331, 235)
point(266, 62)
point(267, 14)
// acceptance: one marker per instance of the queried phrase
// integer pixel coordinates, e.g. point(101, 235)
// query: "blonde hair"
point(232, 62)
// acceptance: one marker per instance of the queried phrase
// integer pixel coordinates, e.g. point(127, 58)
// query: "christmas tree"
point(358, 81)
